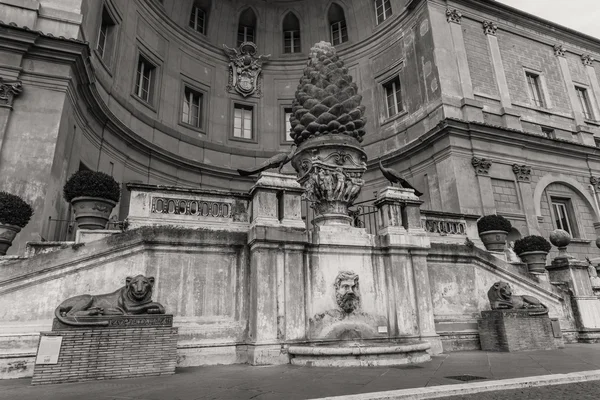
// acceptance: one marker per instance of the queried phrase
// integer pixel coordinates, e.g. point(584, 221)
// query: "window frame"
point(187, 82)
point(384, 15)
point(245, 34)
point(341, 28)
point(142, 51)
point(583, 96)
point(389, 74)
point(292, 43)
point(567, 201)
point(194, 11)
point(395, 90)
point(534, 87)
point(108, 58)
point(243, 104)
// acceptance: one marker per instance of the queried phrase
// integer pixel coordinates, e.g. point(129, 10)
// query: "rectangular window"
point(535, 90)
point(245, 34)
point(198, 19)
point(105, 36)
point(144, 79)
point(339, 32)
point(288, 125)
point(393, 96)
point(563, 215)
point(291, 41)
point(383, 10)
point(192, 107)
point(242, 121)
point(584, 101)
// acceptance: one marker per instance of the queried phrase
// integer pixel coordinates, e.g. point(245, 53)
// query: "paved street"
point(291, 382)
point(574, 391)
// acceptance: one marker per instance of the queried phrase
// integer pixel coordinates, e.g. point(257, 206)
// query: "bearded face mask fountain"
point(346, 291)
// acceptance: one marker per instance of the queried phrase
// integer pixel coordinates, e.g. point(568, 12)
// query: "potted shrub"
point(93, 195)
point(533, 251)
point(15, 213)
point(493, 230)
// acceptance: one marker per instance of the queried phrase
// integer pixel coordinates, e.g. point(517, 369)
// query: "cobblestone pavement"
point(293, 382)
point(573, 391)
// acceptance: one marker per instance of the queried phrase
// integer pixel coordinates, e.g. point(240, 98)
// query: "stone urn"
point(494, 240)
point(535, 260)
point(7, 235)
point(328, 126)
point(92, 212)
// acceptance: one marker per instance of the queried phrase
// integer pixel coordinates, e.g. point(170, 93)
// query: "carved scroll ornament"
point(8, 91)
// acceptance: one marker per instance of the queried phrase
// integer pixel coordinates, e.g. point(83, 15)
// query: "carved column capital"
point(489, 28)
point(481, 165)
point(453, 15)
point(559, 50)
point(587, 59)
point(8, 91)
point(523, 172)
point(595, 181)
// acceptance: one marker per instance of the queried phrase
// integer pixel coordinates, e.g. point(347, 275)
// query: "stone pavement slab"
point(296, 382)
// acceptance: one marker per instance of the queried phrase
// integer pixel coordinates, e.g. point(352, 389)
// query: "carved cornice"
point(8, 91)
point(587, 59)
point(489, 28)
point(559, 50)
point(595, 181)
point(481, 165)
point(523, 172)
point(453, 15)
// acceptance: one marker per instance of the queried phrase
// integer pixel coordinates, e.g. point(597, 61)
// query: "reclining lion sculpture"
point(133, 298)
point(501, 297)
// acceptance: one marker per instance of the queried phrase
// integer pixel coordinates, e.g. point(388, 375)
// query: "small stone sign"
point(48, 350)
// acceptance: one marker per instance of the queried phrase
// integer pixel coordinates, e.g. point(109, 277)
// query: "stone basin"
point(360, 354)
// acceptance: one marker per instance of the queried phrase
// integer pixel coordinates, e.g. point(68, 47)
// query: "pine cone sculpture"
point(326, 100)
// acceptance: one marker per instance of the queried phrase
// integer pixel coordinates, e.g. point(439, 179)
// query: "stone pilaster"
point(584, 135)
point(523, 177)
point(277, 238)
point(406, 245)
point(510, 116)
point(482, 170)
point(588, 63)
point(9, 90)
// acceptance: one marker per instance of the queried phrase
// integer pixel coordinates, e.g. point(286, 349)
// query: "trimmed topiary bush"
point(493, 223)
point(91, 184)
point(532, 243)
point(14, 210)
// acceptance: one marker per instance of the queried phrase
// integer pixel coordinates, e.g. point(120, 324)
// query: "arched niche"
point(338, 29)
point(567, 181)
point(290, 27)
point(247, 23)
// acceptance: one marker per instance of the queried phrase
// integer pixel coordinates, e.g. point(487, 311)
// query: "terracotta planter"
point(535, 260)
point(92, 212)
point(7, 235)
point(494, 240)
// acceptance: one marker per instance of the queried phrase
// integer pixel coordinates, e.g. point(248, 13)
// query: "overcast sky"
point(581, 15)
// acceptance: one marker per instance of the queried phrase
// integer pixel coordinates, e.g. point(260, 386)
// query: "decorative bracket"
point(595, 181)
point(523, 172)
point(559, 50)
point(481, 165)
point(587, 59)
point(8, 91)
point(453, 15)
point(489, 28)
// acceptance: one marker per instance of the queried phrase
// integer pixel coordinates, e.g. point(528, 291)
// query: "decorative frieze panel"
point(8, 91)
point(587, 59)
point(522, 172)
point(559, 50)
point(481, 165)
point(195, 208)
point(444, 227)
point(489, 28)
point(453, 16)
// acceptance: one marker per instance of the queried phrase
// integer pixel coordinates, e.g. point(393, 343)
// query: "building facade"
point(485, 109)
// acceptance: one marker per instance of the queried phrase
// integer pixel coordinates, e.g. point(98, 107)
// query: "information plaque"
point(48, 350)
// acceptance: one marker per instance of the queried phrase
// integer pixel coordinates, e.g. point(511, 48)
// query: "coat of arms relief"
point(245, 68)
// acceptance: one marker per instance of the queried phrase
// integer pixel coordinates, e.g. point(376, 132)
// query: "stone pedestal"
point(516, 330)
point(586, 305)
point(130, 346)
point(277, 238)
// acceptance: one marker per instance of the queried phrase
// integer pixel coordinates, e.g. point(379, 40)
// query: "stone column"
point(584, 135)
point(586, 306)
point(510, 116)
point(277, 238)
point(406, 245)
point(472, 110)
point(482, 170)
point(523, 176)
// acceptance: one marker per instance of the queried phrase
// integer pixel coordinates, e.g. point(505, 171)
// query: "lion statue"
point(501, 298)
point(134, 298)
